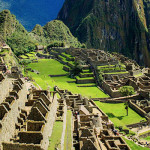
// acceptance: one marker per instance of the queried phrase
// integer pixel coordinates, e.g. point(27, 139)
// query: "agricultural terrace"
point(47, 67)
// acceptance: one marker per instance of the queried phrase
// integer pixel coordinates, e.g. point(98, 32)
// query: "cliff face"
point(113, 25)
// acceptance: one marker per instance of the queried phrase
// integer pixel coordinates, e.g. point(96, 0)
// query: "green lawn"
point(52, 67)
point(48, 67)
point(55, 139)
point(117, 113)
point(68, 135)
point(147, 138)
point(133, 146)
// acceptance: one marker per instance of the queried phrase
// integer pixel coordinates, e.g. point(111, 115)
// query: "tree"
point(100, 77)
point(126, 90)
point(76, 69)
point(126, 106)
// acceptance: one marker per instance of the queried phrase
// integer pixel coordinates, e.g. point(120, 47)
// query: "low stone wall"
point(145, 135)
point(5, 87)
point(135, 125)
point(49, 125)
point(18, 146)
point(66, 68)
point(112, 93)
point(64, 125)
point(59, 75)
point(85, 75)
point(135, 72)
point(136, 96)
point(108, 76)
point(10, 119)
point(137, 109)
point(80, 81)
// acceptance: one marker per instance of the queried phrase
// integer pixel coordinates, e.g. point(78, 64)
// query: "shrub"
point(127, 90)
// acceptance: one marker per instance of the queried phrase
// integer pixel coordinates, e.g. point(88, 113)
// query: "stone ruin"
point(92, 129)
point(33, 123)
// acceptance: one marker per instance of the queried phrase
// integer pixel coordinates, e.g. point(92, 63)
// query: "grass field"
point(47, 67)
point(147, 138)
point(117, 113)
point(68, 136)
point(133, 146)
point(55, 138)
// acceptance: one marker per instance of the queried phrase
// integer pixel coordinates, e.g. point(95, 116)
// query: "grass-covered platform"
point(47, 67)
point(55, 139)
point(134, 146)
point(117, 113)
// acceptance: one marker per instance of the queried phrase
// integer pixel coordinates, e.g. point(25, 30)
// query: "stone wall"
point(49, 125)
point(18, 146)
point(112, 93)
point(5, 87)
point(10, 119)
point(64, 126)
point(137, 109)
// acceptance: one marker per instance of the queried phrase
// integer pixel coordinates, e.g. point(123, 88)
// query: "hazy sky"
point(32, 12)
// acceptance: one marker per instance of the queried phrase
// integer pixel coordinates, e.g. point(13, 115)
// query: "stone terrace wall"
point(49, 125)
point(10, 119)
point(5, 87)
point(17, 146)
point(137, 109)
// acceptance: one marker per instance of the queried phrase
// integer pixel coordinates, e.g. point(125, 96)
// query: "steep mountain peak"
point(9, 24)
point(111, 25)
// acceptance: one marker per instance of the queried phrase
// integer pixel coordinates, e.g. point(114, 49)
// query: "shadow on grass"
point(111, 115)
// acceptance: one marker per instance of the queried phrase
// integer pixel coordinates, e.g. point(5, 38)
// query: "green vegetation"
point(138, 75)
point(47, 67)
point(55, 139)
point(15, 34)
point(144, 132)
point(88, 26)
point(126, 90)
point(10, 59)
point(76, 69)
point(68, 134)
point(117, 72)
point(147, 138)
point(133, 146)
point(21, 43)
point(55, 33)
point(117, 114)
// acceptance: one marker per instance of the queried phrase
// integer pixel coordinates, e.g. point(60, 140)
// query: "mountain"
point(14, 33)
point(21, 41)
point(53, 31)
point(113, 25)
point(32, 12)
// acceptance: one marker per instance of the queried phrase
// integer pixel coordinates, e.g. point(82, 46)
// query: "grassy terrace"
point(55, 139)
point(29, 56)
point(52, 67)
point(67, 55)
point(48, 67)
point(84, 78)
point(117, 72)
point(117, 114)
point(133, 146)
point(147, 138)
point(68, 136)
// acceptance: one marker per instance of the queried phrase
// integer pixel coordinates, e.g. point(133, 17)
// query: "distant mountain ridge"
point(32, 12)
point(21, 41)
